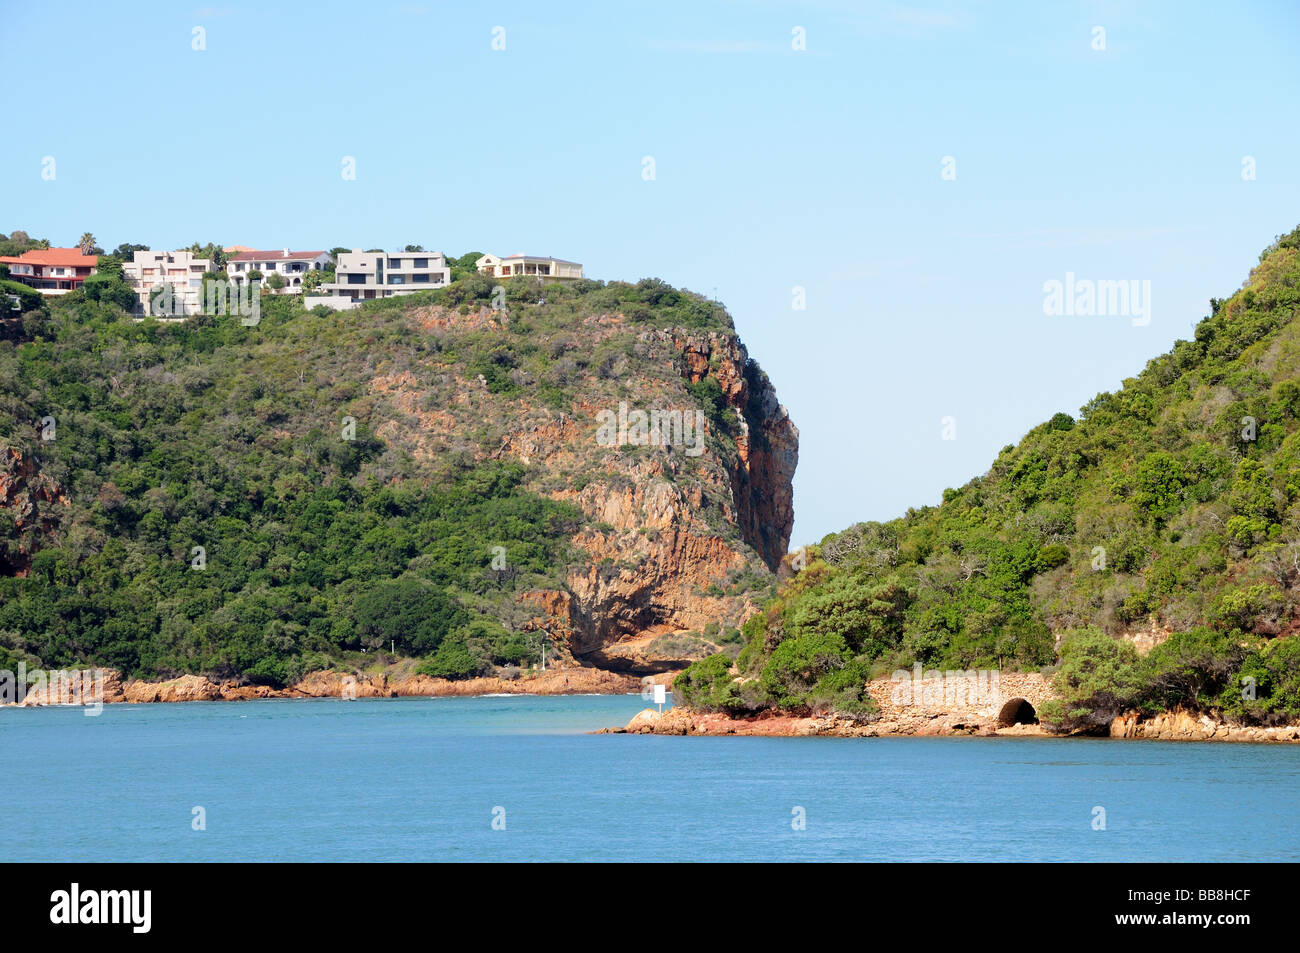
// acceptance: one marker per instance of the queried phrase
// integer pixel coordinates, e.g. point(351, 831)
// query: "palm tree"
point(87, 243)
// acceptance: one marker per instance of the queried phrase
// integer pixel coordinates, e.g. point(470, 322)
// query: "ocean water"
point(424, 779)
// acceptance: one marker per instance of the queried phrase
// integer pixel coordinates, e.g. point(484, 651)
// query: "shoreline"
point(1177, 725)
point(79, 691)
point(894, 722)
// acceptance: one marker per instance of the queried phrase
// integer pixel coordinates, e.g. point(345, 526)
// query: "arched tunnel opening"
point(1018, 711)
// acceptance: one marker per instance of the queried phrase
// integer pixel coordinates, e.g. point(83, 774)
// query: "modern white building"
point(292, 266)
point(530, 266)
point(149, 271)
point(363, 276)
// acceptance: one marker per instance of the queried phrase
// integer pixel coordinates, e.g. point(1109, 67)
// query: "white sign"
point(661, 695)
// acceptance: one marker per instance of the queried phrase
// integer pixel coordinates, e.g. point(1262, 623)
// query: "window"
point(356, 279)
point(396, 280)
point(394, 263)
point(419, 279)
point(421, 263)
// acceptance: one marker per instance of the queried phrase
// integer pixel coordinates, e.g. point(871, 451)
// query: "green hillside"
point(1168, 506)
point(198, 507)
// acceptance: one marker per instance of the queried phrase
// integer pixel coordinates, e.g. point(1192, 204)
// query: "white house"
point(148, 271)
point(363, 276)
point(292, 266)
point(532, 266)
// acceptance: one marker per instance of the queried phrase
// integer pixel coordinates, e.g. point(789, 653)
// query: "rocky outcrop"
point(568, 681)
point(768, 441)
point(86, 687)
point(663, 566)
point(1182, 725)
point(27, 497)
point(666, 533)
point(187, 688)
point(71, 687)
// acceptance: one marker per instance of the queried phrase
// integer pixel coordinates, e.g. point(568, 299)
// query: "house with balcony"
point(148, 271)
point(529, 266)
point(364, 276)
point(292, 266)
point(51, 271)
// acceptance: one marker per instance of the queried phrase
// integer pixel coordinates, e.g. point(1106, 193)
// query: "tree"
point(87, 243)
point(19, 242)
point(867, 615)
point(126, 251)
point(111, 289)
point(1158, 491)
point(464, 266)
point(317, 277)
point(410, 613)
point(211, 251)
point(414, 248)
point(109, 265)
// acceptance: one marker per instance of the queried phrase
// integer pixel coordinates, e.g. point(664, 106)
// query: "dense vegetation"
point(217, 520)
point(1170, 505)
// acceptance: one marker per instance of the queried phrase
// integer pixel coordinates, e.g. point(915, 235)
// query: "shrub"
point(452, 660)
point(29, 299)
point(1098, 679)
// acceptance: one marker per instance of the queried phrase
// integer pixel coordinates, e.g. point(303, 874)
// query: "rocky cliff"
point(674, 542)
point(596, 472)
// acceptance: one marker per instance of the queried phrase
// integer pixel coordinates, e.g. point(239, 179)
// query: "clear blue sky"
point(774, 168)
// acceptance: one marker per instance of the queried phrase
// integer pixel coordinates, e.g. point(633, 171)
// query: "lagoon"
point(519, 778)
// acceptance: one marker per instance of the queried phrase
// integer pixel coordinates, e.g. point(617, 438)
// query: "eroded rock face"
point(1182, 725)
point(768, 444)
point(187, 688)
point(673, 540)
point(674, 576)
point(29, 498)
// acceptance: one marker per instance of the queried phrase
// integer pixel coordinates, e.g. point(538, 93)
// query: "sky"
point(880, 193)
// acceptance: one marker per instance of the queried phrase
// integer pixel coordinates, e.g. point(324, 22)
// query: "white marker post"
point(661, 696)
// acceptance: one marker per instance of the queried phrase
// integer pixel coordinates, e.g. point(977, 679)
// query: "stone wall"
point(974, 697)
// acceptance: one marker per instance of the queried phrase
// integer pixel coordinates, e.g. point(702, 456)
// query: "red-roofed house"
point(52, 271)
point(289, 265)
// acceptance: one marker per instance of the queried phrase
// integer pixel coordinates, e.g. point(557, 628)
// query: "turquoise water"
point(418, 779)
